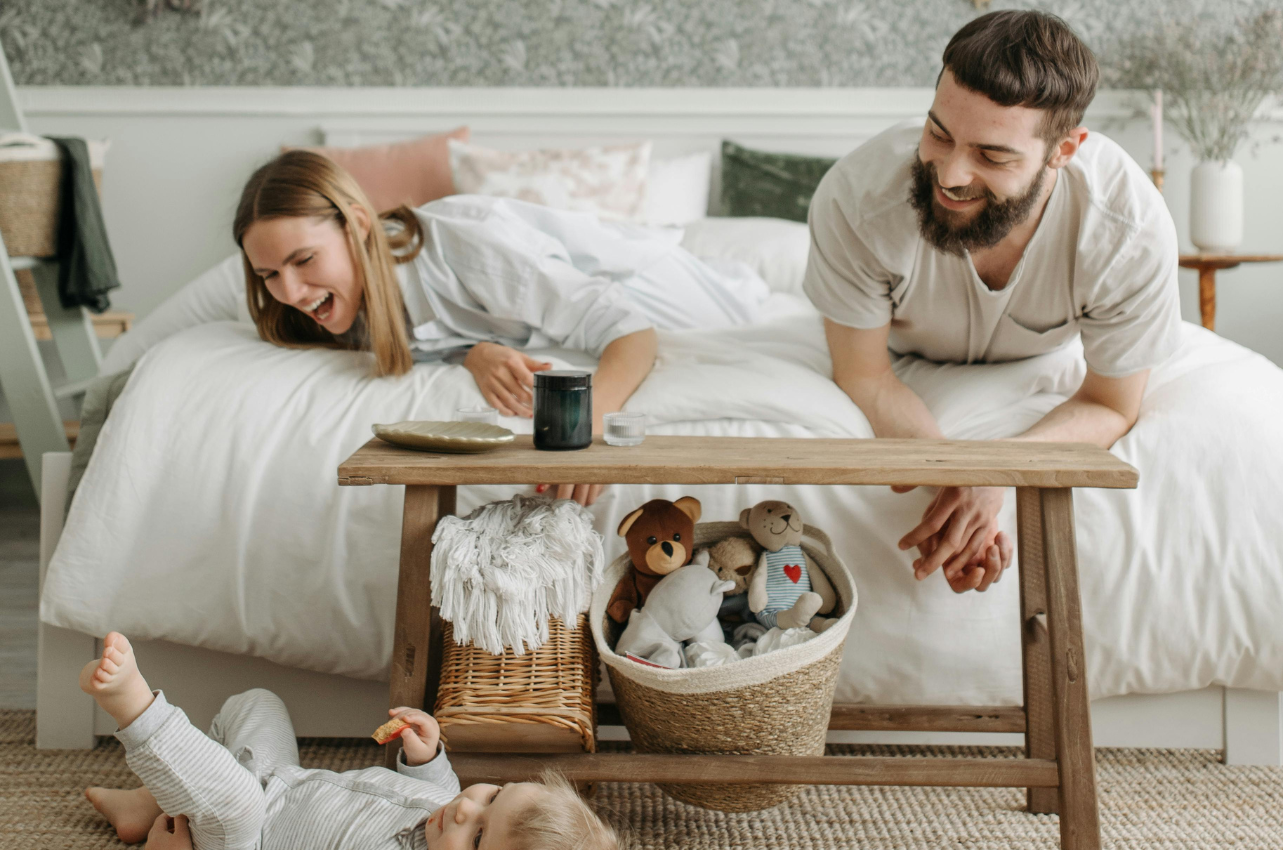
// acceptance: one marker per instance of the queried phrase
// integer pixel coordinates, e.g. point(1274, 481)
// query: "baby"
point(242, 786)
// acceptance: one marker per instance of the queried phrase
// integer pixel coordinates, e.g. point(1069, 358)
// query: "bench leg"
point(1079, 812)
point(416, 641)
point(1040, 737)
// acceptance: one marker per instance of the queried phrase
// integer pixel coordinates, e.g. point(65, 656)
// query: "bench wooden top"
point(752, 460)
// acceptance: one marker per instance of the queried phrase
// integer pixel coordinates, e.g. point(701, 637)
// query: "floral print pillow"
point(608, 181)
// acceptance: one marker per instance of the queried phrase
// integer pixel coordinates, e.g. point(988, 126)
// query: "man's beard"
point(985, 229)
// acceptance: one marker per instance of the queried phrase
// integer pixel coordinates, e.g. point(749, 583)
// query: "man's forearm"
point(891, 407)
point(1080, 421)
point(624, 364)
point(1102, 410)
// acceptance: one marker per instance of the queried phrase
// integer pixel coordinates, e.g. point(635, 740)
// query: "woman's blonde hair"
point(300, 183)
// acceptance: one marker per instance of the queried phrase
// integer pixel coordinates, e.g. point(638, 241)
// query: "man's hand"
point(420, 738)
point(169, 834)
point(959, 532)
point(505, 376)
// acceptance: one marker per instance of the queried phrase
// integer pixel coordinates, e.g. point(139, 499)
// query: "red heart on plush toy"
point(794, 572)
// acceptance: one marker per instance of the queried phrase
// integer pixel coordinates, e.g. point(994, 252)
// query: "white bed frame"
point(1247, 725)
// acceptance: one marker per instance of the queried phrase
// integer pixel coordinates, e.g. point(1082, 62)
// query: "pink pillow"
point(410, 173)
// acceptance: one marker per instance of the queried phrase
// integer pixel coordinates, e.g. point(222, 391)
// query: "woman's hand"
point(505, 376)
point(169, 834)
point(959, 532)
point(584, 494)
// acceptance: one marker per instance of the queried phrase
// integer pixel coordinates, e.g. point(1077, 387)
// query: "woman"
point(487, 275)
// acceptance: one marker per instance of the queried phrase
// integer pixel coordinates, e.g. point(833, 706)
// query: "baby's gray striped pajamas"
point(241, 787)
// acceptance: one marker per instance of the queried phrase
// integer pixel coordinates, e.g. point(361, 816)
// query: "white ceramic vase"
point(1216, 207)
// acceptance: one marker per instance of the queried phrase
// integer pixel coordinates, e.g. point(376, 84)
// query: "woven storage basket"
point(31, 192)
point(778, 703)
point(541, 702)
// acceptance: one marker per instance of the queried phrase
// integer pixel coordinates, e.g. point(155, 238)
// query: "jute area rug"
point(1148, 799)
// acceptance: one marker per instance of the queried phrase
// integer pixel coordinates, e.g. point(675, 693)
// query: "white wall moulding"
point(507, 102)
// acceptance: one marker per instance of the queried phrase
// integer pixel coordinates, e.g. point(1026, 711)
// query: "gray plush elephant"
point(681, 607)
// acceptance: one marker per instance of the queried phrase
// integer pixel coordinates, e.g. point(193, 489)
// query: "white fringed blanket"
point(499, 573)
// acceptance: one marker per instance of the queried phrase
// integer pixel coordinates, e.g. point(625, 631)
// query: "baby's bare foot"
point(131, 812)
point(114, 681)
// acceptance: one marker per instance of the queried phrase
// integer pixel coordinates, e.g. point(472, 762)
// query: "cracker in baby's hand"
point(390, 730)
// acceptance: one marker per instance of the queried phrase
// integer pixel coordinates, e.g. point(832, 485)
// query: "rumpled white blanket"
point(210, 513)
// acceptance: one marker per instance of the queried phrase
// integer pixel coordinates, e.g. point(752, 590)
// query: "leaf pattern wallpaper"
point(661, 43)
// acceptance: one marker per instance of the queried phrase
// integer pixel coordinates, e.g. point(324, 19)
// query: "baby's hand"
point(169, 834)
point(421, 737)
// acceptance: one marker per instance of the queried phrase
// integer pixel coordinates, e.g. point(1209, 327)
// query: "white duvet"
point(210, 513)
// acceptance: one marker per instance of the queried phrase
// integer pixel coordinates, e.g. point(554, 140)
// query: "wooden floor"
point(19, 571)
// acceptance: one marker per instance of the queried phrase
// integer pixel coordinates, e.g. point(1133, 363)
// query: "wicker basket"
point(541, 702)
point(777, 704)
point(31, 192)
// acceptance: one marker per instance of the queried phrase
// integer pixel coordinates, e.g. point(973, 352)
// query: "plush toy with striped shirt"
point(787, 590)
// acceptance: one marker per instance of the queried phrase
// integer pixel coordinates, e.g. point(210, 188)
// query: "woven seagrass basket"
point(777, 704)
point(543, 701)
point(31, 192)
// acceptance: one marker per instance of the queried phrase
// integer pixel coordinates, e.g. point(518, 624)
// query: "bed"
point(209, 523)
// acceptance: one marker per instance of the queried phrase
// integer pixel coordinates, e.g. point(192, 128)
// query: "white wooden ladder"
point(32, 397)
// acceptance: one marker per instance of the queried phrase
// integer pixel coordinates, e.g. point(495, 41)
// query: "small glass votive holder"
point(477, 414)
point(624, 429)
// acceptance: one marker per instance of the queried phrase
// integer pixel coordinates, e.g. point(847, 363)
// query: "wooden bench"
point(1059, 770)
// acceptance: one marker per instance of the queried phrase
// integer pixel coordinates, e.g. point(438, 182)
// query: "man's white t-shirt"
point(1101, 263)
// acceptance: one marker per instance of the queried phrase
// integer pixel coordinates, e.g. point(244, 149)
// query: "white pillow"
point(218, 295)
point(773, 247)
point(608, 181)
point(677, 189)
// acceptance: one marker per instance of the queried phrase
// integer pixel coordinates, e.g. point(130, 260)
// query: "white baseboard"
point(64, 713)
point(1253, 727)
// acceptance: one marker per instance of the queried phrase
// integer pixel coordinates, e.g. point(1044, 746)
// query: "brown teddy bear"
point(733, 559)
point(661, 538)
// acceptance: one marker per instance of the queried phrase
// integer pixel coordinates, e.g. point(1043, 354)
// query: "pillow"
point(608, 181)
point(217, 295)
point(774, 248)
point(411, 173)
point(779, 185)
point(677, 189)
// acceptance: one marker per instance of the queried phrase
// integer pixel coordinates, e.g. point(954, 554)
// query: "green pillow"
point(779, 185)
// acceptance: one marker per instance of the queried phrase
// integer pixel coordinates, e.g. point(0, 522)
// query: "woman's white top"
point(526, 276)
point(1102, 264)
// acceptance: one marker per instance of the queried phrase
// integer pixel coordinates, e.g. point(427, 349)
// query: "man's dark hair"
point(1026, 58)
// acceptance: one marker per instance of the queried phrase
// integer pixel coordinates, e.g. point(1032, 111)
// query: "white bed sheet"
point(209, 514)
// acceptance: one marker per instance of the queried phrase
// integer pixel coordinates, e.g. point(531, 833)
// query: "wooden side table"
point(1059, 770)
point(1208, 265)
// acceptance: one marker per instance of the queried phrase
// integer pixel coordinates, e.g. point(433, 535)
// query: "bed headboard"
point(820, 121)
point(815, 121)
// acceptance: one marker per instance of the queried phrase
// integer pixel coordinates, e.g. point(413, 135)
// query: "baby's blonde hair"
point(560, 819)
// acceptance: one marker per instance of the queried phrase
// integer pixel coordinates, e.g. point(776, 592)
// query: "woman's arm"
point(624, 364)
point(506, 378)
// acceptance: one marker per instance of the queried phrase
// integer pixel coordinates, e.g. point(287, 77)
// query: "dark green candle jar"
point(563, 409)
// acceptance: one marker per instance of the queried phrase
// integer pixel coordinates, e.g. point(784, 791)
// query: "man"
point(998, 230)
